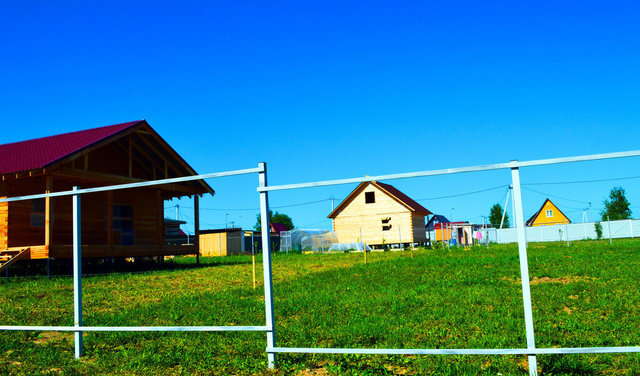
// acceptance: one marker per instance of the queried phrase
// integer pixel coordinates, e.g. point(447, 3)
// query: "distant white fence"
point(625, 228)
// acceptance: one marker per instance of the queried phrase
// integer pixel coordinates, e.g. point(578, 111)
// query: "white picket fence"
point(625, 228)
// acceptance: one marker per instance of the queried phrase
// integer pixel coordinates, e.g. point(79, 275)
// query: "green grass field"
point(584, 295)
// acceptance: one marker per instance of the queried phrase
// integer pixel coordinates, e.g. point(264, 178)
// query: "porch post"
point(196, 220)
point(47, 213)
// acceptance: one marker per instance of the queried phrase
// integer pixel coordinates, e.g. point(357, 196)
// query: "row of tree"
point(615, 207)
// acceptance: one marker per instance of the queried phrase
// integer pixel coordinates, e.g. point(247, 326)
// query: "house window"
point(549, 213)
point(369, 197)
point(37, 213)
point(386, 224)
point(123, 222)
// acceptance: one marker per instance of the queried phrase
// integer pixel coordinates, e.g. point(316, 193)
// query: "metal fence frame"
point(78, 328)
point(263, 189)
point(531, 351)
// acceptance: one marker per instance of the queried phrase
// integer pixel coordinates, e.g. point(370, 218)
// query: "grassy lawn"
point(584, 295)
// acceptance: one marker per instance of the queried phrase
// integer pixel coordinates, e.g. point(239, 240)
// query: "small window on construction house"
point(369, 197)
point(386, 224)
point(37, 213)
point(549, 213)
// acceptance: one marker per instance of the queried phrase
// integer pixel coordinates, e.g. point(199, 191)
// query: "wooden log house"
point(121, 223)
point(378, 214)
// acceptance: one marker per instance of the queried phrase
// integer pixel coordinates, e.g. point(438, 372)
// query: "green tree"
point(617, 206)
point(495, 216)
point(275, 218)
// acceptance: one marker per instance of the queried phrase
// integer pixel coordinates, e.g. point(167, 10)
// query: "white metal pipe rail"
point(459, 170)
point(555, 350)
point(232, 328)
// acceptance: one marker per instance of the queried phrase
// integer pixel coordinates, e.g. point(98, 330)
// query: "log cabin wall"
point(383, 221)
point(4, 224)
point(26, 218)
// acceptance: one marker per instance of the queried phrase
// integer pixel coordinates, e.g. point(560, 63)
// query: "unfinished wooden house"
point(121, 223)
point(382, 214)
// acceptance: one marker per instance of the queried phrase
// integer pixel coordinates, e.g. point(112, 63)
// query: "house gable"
point(548, 214)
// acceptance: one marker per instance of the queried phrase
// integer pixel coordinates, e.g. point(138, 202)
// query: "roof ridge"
point(127, 123)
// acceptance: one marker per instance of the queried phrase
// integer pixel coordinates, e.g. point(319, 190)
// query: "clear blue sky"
point(324, 90)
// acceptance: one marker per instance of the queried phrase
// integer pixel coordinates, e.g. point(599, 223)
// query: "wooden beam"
point(119, 179)
point(159, 218)
point(130, 156)
point(124, 150)
point(48, 213)
point(196, 220)
point(110, 220)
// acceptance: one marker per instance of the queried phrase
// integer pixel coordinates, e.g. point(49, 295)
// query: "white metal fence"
point(520, 234)
point(625, 228)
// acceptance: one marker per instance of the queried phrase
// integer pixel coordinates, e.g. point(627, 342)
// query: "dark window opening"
point(369, 197)
point(386, 227)
point(123, 222)
point(386, 220)
point(37, 212)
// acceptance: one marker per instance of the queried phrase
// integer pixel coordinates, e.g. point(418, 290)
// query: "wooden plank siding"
point(4, 224)
point(357, 215)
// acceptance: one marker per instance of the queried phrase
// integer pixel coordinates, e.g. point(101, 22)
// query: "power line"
point(556, 196)
point(255, 209)
point(583, 181)
point(463, 194)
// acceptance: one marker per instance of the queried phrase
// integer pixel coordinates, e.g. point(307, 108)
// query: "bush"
point(598, 228)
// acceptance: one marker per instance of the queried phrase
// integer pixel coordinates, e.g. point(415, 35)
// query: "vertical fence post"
point(266, 264)
point(524, 268)
point(253, 260)
point(77, 274)
point(609, 229)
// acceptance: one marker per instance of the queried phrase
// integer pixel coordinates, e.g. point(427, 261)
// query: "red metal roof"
point(277, 227)
point(404, 198)
point(42, 152)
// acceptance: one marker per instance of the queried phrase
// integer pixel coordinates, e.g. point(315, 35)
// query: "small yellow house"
point(382, 214)
point(548, 214)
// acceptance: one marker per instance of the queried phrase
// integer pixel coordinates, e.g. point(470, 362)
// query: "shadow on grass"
point(64, 267)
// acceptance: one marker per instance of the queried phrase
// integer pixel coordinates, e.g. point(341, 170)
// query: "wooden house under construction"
point(378, 214)
point(120, 223)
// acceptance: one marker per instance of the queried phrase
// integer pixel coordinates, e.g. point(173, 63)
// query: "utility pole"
point(506, 203)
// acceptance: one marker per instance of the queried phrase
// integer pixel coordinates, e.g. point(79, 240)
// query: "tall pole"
point(504, 210)
point(77, 273)
point(253, 260)
point(266, 264)
point(524, 269)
